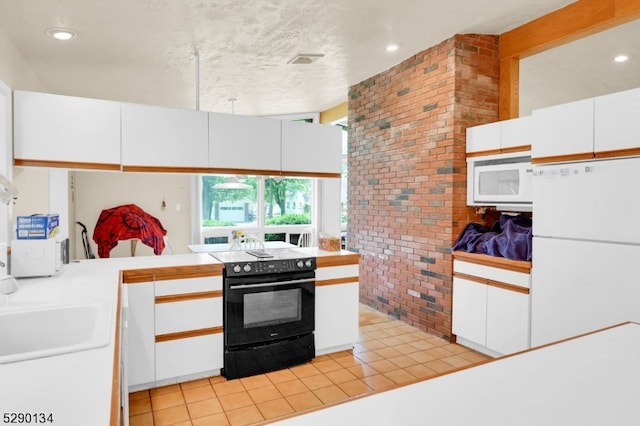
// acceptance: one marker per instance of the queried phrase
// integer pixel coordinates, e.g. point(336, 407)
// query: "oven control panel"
point(270, 266)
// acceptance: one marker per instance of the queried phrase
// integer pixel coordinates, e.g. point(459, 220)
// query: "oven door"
point(263, 309)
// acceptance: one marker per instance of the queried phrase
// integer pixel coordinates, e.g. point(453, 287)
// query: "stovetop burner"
point(260, 262)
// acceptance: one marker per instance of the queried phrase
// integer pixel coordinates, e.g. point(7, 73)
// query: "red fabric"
point(124, 223)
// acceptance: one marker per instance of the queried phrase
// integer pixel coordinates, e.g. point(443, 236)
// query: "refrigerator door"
point(579, 286)
point(593, 200)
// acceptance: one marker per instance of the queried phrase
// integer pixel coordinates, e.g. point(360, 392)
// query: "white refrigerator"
point(586, 247)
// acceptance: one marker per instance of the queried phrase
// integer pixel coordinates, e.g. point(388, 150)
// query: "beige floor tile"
point(440, 366)
point(438, 352)
point(369, 356)
point(139, 395)
point(304, 370)
point(348, 361)
point(383, 365)
point(403, 361)
point(253, 382)
point(228, 387)
point(421, 371)
point(139, 406)
point(204, 408)
point(244, 416)
point(388, 352)
point(217, 379)
point(391, 341)
point(195, 383)
point(330, 394)
point(198, 393)
point(170, 416)
point(354, 387)
point(363, 370)
point(275, 408)
point(340, 376)
point(328, 365)
point(378, 382)
point(145, 419)
point(457, 361)
point(235, 400)
point(304, 401)
point(374, 344)
point(167, 400)
point(292, 387)
point(421, 345)
point(316, 382)
point(475, 356)
point(265, 393)
point(216, 419)
point(281, 376)
point(421, 356)
point(165, 389)
point(400, 376)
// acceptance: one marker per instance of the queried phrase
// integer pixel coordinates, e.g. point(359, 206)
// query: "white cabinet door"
point(241, 142)
point(311, 148)
point(508, 325)
point(565, 129)
point(155, 136)
point(469, 310)
point(188, 315)
point(581, 286)
point(485, 137)
point(184, 357)
point(581, 200)
point(516, 133)
point(140, 334)
point(336, 316)
point(616, 121)
point(64, 128)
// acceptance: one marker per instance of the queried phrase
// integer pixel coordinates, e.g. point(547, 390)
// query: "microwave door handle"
point(277, 283)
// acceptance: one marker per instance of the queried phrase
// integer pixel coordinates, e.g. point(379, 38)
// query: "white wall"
point(96, 191)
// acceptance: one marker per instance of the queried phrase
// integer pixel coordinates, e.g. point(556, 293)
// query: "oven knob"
point(308, 263)
point(237, 269)
point(300, 264)
point(247, 267)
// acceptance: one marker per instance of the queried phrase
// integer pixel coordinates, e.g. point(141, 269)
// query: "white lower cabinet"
point(336, 313)
point(491, 308)
point(188, 327)
point(188, 356)
point(141, 344)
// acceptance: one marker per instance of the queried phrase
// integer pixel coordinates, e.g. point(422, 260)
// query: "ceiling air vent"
point(305, 58)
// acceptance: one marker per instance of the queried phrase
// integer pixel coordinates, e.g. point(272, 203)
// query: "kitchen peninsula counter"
point(78, 388)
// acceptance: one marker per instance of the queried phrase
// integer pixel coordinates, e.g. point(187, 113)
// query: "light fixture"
point(305, 58)
point(392, 47)
point(61, 33)
point(621, 58)
point(232, 183)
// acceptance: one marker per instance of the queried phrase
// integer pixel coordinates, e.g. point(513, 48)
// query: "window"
point(272, 208)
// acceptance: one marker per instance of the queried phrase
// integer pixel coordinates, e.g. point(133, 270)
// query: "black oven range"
point(268, 310)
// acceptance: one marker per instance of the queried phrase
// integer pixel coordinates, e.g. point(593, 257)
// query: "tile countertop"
point(75, 388)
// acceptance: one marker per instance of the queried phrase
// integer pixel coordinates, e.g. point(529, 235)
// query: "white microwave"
point(39, 257)
point(504, 181)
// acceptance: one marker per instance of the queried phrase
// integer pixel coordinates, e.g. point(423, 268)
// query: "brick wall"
point(407, 174)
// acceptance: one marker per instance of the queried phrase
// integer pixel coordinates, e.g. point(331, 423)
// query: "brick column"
point(407, 174)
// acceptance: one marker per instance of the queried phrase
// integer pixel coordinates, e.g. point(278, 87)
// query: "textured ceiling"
point(145, 50)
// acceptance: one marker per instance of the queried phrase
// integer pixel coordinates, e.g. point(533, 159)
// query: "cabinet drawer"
point(188, 285)
point(334, 272)
point(506, 276)
point(188, 315)
point(183, 357)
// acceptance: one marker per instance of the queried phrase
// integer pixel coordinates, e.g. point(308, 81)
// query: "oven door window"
point(272, 307)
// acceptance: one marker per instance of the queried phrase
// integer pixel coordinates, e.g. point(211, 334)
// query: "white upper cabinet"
point(164, 137)
point(59, 128)
point(563, 130)
point(617, 122)
point(311, 148)
point(500, 137)
point(244, 142)
point(484, 138)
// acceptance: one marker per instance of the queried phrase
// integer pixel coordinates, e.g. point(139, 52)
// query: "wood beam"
point(575, 21)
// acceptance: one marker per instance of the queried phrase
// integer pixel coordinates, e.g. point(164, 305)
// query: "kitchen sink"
point(29, 333)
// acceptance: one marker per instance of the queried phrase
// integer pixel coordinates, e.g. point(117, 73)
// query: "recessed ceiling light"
point(61, 33)
point(621, 58)
point(392, 47)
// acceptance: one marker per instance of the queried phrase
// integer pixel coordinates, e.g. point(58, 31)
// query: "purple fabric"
point(510, 238)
